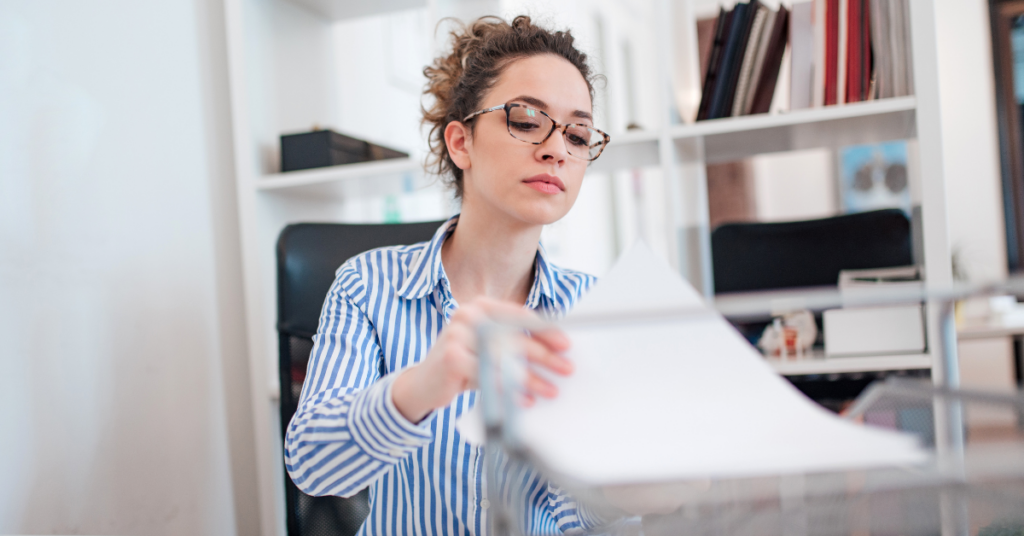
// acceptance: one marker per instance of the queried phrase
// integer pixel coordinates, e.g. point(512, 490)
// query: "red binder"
point(831, 50)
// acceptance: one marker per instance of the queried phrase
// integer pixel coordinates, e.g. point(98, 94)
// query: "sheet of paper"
point(683, 397)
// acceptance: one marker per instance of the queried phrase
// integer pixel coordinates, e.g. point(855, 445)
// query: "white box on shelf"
point(884, 330)
point(865, 284)
point(874, 331)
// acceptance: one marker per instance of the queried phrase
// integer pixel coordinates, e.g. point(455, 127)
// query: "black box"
point(322, 148)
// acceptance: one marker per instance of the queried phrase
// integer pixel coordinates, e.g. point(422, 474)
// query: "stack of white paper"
point(683, 397)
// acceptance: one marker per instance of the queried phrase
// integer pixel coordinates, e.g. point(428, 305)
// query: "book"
point(842, 49)
point(801, 46)
point(865, 50)
point(725, 85)
point(758, 67)
point(741, 50)
point(880, 50)
point(907, 49)
point(831, 49)
point(747, 66)
point(818, 23)
point(714, 62)
point(895, 40)
point(762, 101)
point(853, 36)
point(706, 29)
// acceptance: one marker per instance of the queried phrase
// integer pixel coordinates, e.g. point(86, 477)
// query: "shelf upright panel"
point(683, 162)
point(937, 257)
point(270, 472)
point(670, 172)
point(694, 233)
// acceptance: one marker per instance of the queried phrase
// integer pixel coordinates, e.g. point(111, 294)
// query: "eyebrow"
point(534, 101)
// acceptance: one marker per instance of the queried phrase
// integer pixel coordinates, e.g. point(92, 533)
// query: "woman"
point(393, 364)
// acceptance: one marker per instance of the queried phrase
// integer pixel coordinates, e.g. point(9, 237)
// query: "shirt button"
point(485, 504)
point(395, 452)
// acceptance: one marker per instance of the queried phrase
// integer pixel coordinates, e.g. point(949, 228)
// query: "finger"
point(553, 338)
point(471, 373)
point(539, 354)
point(525, 400)
point(538, 386)
point(470, 314)
point(460, 334)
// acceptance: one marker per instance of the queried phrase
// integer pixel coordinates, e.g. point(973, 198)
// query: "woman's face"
point(530, 184)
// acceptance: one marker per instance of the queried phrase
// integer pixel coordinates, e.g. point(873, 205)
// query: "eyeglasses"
point(534, 126)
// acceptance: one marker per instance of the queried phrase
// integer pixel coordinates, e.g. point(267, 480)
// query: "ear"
point(457, 139)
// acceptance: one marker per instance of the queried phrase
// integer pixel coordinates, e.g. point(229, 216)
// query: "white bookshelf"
point(265, 37)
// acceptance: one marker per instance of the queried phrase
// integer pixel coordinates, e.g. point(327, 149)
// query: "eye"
point(578, 136)
point(524, 126)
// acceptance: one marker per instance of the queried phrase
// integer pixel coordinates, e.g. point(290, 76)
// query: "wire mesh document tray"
point(972, 482)
point(969, 479)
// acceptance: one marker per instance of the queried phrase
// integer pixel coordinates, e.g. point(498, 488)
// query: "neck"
point(490, 256)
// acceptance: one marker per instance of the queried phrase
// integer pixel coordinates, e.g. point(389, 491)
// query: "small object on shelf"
point(789, 336)
point(864, 331)
point(322, 148)
point(859, 331)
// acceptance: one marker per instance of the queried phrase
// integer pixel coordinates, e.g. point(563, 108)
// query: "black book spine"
point(714, 62)
point(772, 64)
point(725, 109)
point(728, 52)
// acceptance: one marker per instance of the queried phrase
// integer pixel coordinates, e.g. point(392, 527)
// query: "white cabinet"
point(288, 72)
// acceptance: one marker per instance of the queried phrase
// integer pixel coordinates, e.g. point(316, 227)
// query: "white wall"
point(972, 172)
point(970, 137)
point(799, 185)
point(123, 396)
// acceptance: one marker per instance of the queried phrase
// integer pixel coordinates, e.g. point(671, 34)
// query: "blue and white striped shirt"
point(382, 314)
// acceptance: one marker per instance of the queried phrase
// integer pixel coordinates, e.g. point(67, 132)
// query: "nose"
point(553, 150)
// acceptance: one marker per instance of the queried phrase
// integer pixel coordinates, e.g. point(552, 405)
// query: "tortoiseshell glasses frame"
point(529, 125)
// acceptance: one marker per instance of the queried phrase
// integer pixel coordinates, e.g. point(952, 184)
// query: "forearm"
point(407, 395)
point(338, 445)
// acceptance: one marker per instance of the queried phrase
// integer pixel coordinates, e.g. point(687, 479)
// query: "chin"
point(540, 213)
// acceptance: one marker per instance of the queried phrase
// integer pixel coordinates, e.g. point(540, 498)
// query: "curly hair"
point(480, 52)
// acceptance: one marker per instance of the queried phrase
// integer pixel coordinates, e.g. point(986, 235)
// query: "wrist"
point(406, 398)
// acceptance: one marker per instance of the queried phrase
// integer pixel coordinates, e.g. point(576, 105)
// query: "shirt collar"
point(425, 271)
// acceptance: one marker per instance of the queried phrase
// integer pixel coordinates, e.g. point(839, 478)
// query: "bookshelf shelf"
point(348, 181)
point(734, 138)
point(628, 150)
point(806, 116)
point(365, 170)
point(841, 365)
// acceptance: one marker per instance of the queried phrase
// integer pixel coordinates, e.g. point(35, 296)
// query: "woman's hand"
point(452, 366)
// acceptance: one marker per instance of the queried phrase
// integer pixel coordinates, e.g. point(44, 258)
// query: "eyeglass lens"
point(532, 126)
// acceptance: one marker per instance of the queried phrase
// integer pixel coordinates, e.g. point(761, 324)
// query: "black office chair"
point(762, 256)
point(308, 254)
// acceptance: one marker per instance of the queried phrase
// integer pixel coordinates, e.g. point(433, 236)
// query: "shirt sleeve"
point(571, 515)
point(346, 432)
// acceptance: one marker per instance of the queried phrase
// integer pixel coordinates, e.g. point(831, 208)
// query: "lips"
point(545, 183)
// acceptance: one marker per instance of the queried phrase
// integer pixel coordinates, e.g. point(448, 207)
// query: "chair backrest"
point(760, 256)
point(308, 254)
